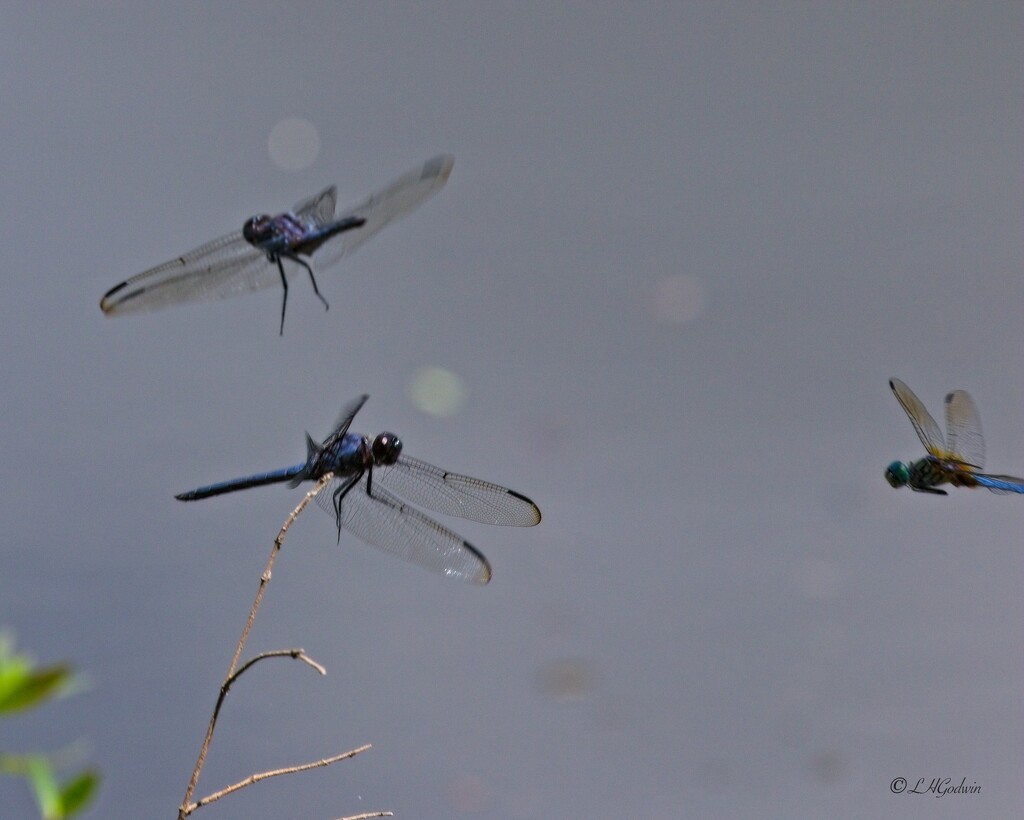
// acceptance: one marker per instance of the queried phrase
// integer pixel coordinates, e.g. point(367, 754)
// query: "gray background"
point(726, 611)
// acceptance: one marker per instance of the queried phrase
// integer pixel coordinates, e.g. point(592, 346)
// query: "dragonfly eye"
point(386, 448)
point(256, 228)
point(897, 474)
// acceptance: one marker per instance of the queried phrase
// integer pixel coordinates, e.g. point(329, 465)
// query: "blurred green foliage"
point(24, 686)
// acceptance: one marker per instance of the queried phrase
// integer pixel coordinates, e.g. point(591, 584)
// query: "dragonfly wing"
point(319, 209)
point(964, 441)
point(348, 412)
point(216, 270)
point(927, 429)
point(459, 495)
point(1000, 483)
point(384, 206)
point(387, 523)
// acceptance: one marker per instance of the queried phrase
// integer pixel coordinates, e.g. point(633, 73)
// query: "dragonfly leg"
point(298, 260)
point(284, 284)
point(931, 490)
point(339, 496)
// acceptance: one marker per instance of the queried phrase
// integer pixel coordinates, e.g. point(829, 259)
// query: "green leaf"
point(24, 691)
point(24, 686)
point(44, 786)
point(76, 794)
point(13, 670)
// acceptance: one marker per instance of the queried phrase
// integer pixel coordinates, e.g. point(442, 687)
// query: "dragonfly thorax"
point(386, 448)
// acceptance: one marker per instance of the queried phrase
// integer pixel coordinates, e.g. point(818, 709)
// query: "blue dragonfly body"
point(370, 510)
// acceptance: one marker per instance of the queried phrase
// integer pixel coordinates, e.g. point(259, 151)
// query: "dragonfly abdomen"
point(230, 486)
point(314, 239)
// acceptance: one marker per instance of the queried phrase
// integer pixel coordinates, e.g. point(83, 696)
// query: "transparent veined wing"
point(453, 494)
point(999, 483)
point(344, 420)
point(393, 526)
point(964, 441)
point(221, 268)
point(319, 209)
point(384, 206)
point(927, 430)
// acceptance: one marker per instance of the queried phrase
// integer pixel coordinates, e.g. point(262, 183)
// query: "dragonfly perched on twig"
point(957, 459)
point(254, 257)
point(359, 498)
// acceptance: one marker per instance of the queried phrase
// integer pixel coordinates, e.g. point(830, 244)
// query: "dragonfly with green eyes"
point(958, 459)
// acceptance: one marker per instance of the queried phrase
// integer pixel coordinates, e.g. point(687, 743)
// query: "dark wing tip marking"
point(114, 290)
point(439, 166)
point(483, 576)
point(109, 305)
point(106, 305)
point(529, 502)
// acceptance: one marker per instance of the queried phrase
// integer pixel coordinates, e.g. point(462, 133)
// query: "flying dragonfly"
point(254, 257)
point(958, 459)
point(360, 499)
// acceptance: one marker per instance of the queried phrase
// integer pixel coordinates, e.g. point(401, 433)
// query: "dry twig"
point(256, 778)
point(187, 807)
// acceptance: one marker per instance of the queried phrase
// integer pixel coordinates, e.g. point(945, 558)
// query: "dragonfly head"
point(897, 474)
point(256, 229)
point(386, 448)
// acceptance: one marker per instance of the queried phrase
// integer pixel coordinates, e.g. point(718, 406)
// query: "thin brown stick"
point(297, 654)
point(265, 577)
point(256, 778)
point(184, 810)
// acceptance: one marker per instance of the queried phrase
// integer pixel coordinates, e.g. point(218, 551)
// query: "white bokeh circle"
point(294, 143)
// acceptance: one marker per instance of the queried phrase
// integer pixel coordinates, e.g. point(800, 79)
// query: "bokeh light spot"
point(469, 794)
point(678, 299)
point(437, 392)
point(567, 680)
point(294, 144)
